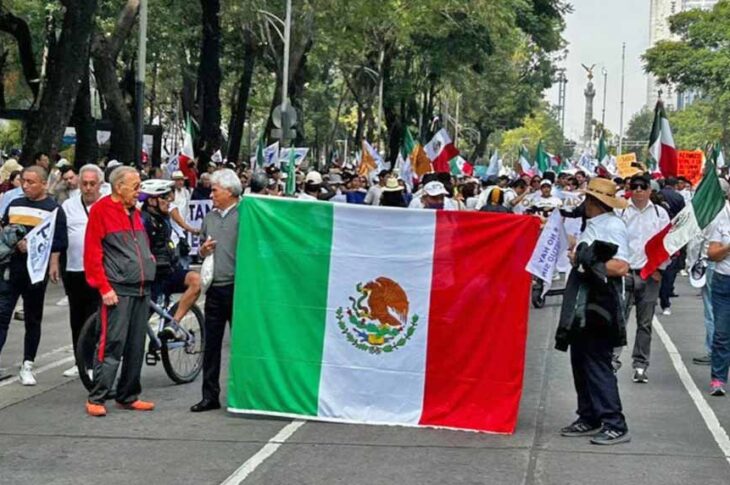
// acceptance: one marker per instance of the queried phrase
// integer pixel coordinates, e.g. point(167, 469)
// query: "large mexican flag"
point(378, 315)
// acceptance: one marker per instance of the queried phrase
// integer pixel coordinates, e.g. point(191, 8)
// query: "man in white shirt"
point(599, 411)
point(433, 196)
point(644, 220)
point(83, 300)
point(546, 202)
point(374, 193)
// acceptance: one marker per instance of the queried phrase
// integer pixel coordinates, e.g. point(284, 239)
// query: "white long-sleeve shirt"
point(642, 224)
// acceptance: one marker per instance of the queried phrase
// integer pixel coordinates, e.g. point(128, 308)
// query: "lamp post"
point(139, 83)
point(605, 85)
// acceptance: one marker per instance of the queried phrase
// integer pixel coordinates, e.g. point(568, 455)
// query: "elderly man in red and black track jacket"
point(118, 262)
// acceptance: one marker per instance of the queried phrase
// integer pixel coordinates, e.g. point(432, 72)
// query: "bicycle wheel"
point(183, 361)
point(85, 348)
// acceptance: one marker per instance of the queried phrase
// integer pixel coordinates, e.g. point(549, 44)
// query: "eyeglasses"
point(639, 187)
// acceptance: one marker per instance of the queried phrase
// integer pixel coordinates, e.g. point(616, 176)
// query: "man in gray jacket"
point(220, 235)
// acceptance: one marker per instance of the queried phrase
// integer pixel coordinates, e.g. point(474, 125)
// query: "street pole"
point(285, 75)
point(380, 98)
point(456, 128)
point(605, 86)
point(623, 82)
point(139, 83)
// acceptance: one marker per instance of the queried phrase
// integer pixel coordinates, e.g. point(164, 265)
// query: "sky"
point(595, 31)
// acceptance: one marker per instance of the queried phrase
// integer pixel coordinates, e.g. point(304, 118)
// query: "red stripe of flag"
point(441, 162)
point(476, 337)
point(656, 253)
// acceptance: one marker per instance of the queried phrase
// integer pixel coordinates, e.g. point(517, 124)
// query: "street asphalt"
point(46, 437)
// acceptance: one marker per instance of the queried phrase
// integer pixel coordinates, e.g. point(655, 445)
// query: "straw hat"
point(391, 185)
point(11, 165)
point(605, 191)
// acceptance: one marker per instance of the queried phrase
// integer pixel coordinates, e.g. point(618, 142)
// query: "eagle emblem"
point(377, 319)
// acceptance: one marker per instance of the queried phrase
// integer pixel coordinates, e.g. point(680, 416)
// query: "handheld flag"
point(291, 181)
point(708, 201)
point(661, 143)
point(441, 151)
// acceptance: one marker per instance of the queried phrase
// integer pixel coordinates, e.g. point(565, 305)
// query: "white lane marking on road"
point(46, 367)
point(65, 348)
point(269, 449)
point(708, 415)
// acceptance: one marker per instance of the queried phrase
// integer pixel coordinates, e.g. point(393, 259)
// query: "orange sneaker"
point(137, 405)
point(96, 410)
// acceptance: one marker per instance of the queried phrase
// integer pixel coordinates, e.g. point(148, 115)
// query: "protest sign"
point(624, 164)
point(40, 240)
point(197, 210)
point(689, 165)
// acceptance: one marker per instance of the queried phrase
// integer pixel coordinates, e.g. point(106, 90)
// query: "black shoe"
point(640, 376)
point(674, 295)
point(609, 436)
point(704, 360)
point(579, 428)
point(205, 405)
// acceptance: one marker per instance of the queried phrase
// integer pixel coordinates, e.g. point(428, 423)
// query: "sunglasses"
point(639, 187)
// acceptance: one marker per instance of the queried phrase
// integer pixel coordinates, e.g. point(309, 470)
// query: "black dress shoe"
point(205, 405)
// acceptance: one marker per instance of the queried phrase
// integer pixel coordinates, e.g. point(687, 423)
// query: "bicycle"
point(182, 357)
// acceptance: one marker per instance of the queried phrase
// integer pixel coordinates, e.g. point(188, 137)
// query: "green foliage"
point(699, 60)
point(542, 124)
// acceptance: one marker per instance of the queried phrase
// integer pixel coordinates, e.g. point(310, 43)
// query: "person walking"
point(83, 300)
point(220, 235)
point(643, 220)
point(718, 252)
point(120, 266)
point(675, 203)
point(29, 211)
point(593, 325)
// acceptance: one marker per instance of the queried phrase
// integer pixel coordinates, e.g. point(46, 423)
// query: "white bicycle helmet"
point(156, 187)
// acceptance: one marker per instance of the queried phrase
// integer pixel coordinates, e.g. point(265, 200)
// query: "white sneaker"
point(63, 301)
point(26, 374)
point(72, 372)
point(667, 312)
point(684, 273)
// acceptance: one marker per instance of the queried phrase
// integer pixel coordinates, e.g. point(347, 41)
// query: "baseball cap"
point(546, 182)
point(177, 174)
point(313, 177)
point(435, 188)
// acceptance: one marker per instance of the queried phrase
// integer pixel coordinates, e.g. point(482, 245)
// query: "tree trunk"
point(67, 64)
point(209, 81)
point(104, 51)
point(117, 110)
point(18, 28)
point(239, 109)
point(481, 147)
point(3, 66)
point(87, 147)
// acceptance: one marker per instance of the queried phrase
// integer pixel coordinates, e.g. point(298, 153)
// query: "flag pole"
point(623, 82)
point(139, 83)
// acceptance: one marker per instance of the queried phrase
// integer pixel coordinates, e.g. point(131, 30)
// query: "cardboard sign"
point(197, 210)
point(689, 165)
point(623, 164)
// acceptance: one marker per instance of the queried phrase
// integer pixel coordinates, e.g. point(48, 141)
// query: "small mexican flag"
point(708, 201)
point(375, 315)
point(525, 165)
point(661, 143)
point(542, 159)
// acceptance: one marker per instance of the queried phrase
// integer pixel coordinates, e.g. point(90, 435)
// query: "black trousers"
point(33, 298)
point(218, 313)
point(667, 284)
point(123, 333)
point(599, 403)
point(83, 301)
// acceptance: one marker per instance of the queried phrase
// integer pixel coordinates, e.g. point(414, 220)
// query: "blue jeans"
point(721, 337)
point(707, 303)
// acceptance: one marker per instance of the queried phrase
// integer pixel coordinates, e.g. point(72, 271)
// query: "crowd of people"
point(122, 237)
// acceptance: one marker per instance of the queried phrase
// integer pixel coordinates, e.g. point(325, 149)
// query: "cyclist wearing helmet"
point(157, 196)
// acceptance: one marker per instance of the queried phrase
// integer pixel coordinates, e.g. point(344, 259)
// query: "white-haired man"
point(83, 300)
point(220, 235)
point(119, 264)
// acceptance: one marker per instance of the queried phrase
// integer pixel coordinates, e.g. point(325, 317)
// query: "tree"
point(542, 124)
point(67, 62)
point(700, 59)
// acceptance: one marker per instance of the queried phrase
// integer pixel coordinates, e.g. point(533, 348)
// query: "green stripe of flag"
point(282, 274)
point(709, 199)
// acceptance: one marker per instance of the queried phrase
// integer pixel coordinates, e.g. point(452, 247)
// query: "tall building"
point(659, 15)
